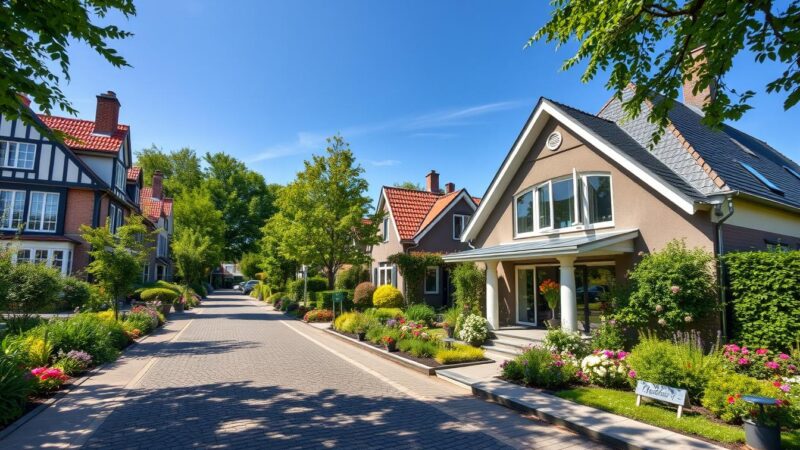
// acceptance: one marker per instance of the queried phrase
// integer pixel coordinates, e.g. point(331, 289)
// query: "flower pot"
point(165, 309)
point(553, 323)
point(762, 437)
point(362, 336)
point(178, 307)
point(391, 346)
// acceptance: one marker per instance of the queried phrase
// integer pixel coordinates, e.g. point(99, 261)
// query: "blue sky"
point(412, 85)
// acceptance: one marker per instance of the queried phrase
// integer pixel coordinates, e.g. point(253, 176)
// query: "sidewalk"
point(70, 420)
point(612, 429)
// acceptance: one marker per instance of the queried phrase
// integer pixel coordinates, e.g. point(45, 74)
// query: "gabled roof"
point(413, 210)
point(154, 208)
point(134, 173)
point(80, 134)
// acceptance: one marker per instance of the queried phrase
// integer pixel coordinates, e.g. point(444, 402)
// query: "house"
point(50, 186)
point(429, 220)
point(157, 211)
point(580, 196)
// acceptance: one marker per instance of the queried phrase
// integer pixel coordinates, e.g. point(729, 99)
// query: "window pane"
point(40, 256)
point(19, 209)
point(599, 196)
point(543, 195)
point(525, 213)
point(26, 156)
point(3, 147)
point(431, 280)
point(12, 154)
point(563, 204)
point(35, 213)
point(23, 256)
point(58, 259)
point(6, 204)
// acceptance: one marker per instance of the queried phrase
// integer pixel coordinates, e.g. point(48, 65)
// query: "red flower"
point(731, 399)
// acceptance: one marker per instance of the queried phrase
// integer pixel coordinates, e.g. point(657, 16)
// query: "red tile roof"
point(80, 134)
point(154, 208)
point(440, 205)
point(409, 208)
point(134, 172)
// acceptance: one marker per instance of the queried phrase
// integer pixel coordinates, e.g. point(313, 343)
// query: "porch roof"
point(619, 241)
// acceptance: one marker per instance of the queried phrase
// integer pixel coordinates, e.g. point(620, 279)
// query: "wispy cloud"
point(385, 163)
point(307, 142)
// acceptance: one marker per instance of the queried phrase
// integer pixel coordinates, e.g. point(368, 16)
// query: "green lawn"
point(624, 404)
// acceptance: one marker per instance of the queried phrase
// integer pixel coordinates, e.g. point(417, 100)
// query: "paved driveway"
point(241, 376)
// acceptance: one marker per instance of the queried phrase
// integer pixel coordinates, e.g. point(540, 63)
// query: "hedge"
point(165, 295)
point(324, 299)
point(315, 284)
point(765, 294)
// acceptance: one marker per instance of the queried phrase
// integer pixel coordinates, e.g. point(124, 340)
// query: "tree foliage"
point(196, 213)
point(34, 38)
point(649, 43)
point(191, 250)
point(409, 185)
point(470, 288)
point(321, 214)
point(412, 267)
point(250, 265)
point(181, 169)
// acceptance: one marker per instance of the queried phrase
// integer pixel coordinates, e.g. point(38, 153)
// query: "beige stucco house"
point(579, 196)
point(429, 220)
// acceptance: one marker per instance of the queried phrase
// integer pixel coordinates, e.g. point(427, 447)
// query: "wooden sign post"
point(662, 393)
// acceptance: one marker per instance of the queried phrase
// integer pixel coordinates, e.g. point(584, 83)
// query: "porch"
point(551, 257)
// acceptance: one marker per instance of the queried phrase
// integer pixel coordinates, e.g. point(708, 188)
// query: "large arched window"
point(582, 200)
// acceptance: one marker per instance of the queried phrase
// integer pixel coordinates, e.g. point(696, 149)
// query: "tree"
point(321, 213)
point(181, 168)
point(649, 43)
point(250, 265)
point(197, 215)
point(276, 266)
point(191, 251)
point(34, 37)
point(117, 259)
point(243, 198)
point(409, 185)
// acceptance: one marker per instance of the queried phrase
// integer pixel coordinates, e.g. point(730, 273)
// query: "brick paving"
point(242, 376)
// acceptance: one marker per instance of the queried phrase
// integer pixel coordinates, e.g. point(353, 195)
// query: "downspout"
point(723, 300)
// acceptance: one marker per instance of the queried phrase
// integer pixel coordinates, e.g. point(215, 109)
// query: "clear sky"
point(412, 85)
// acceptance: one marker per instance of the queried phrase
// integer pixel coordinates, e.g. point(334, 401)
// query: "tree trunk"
point(331, 279)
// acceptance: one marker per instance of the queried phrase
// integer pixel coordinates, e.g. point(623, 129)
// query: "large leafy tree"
point(197, 215)
point(34, 38)
point(277, 266)
point(244, 199)
point(321, 213)
point(649, 43)
point(181, 168)
point(191, 251)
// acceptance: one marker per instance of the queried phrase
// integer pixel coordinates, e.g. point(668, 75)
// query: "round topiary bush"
point(387, 296)
point(362, 297)
point(163, 295)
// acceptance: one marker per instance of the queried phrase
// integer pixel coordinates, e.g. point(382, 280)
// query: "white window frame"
point(385, 274)
point(465, 218)
point(66, 261)
point(146, 272)
point(39, 226)
point(581, 216)
point(5, 153)
point(8, 222)
point(120, 176)
point(386, 226)
point(425, 280)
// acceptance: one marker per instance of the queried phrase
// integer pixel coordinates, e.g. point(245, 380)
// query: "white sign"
point(663, 393)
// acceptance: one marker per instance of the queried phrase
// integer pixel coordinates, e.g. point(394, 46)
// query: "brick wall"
point(79, 211)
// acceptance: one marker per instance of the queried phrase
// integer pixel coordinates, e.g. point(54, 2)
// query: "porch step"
point(508, 345)
point(506, 351)
point(507, 334)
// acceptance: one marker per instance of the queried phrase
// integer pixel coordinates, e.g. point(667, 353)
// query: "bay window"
point(12, 209)
point(43, 213)
point(57, 258)
point(565, 203)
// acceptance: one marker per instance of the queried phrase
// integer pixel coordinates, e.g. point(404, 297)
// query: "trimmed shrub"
point(315, 284)
point(318, 315)
point(164, 295)
point(670, 289)
point(348, 279)
point(34, 288)
point(559, 341)
point(14, 389)
point(418, 348)
point(682, 364)
point(75, 292)
point(387, 296)
point(362, 297)
point(765, 293)
point(459, 354)
point(90, 333)
point(324, 299)
point(347, 322)
point(421, 313)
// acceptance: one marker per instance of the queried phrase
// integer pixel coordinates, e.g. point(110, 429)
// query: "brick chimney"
point(432, 182)
point(449, 188)
point(158, 184)
point(106, 117)
point(705, 96)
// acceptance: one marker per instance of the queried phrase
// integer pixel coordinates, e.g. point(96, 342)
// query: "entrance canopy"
point(615, 242)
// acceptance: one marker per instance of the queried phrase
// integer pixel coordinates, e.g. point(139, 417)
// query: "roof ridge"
point(563, 105)
point(78, 119)
point(413, 190)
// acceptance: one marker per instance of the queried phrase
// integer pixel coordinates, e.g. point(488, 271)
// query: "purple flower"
point(785, 387)
point(632, 374)
point(391, 323)
point(609, 353)
point(622, 354)
point(772, 365)
point(783, 356)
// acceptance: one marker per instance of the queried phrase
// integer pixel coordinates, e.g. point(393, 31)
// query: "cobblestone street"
point(242, 376)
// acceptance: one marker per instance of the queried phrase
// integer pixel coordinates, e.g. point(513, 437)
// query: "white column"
point(492, 296)
point(569, 304)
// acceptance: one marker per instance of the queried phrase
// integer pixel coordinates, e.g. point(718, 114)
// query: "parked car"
point(595, 292)
point(237, 287)
point(248, 286)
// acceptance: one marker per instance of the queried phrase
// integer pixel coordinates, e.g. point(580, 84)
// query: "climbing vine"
point(412, 267)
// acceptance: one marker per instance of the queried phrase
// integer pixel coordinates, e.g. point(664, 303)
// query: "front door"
point(526, 296)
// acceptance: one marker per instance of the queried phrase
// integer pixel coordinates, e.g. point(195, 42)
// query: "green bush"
point(387, 296)
point(14, 389)
point(470, 287)
point(609, 335)
point(324, 299)
point(459, 354)
point(34, 288)
point(347, 322)
point(511, 370)
point(418, 348)
point(349, 278)
point(31, 349)
point(722, 395)
point(362, 297)
point(451, 316)
point(375, 333)
point(682, 364)
point(559, 341)
point(164, 295)
point(274, 297)
point(421, 314)
point(75, 293)
point(765, 293)
point(540, 369)
point(384, 314)
point(101, 338)
point(315, 284)
point(670, 289)
point(141, 321)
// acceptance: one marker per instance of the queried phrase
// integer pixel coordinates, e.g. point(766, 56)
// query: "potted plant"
point(552, 293)
point(179, 304)
point(762, 430)
point(389, 343)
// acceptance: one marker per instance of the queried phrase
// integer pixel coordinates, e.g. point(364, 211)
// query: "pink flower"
point(772, 365)
point(732, 348)
point(761, 351)
point(621, 354)
point(785, 387)
point(743, 361)
point(632, 374)
point(675, 289)
point(745, 351)
point(609, 353)
point(38, 371)
point(779, 402)
point(558, 363)
point(783, 356)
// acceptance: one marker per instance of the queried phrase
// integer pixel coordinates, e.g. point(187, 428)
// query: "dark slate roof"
point(720, 150)
point(616, 136)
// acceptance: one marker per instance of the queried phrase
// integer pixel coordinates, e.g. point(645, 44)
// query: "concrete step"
point(514, 337)
point(502, 348)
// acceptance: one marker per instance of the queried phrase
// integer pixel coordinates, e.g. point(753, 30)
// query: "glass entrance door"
point(526, 296)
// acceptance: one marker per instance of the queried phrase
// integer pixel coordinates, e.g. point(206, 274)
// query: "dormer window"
point(17, 155)
point(567, 203)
